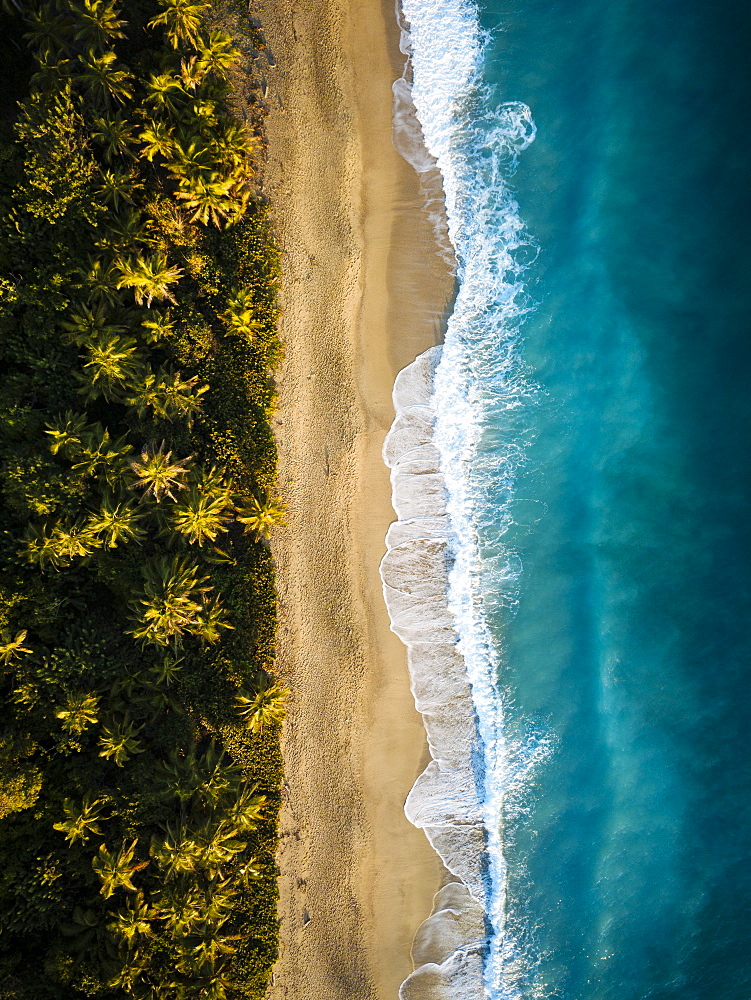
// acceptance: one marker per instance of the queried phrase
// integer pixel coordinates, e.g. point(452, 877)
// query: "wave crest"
point(454, 449)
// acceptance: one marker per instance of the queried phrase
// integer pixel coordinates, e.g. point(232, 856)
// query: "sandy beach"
point(364, 292)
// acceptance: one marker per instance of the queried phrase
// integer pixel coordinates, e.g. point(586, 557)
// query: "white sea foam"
point(449, 403)
point(448, 949)
point(446, 800)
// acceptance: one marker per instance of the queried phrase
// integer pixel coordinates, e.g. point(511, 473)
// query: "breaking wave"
point(454, 449)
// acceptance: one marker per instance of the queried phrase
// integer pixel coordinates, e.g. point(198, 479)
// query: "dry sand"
point(364, 292)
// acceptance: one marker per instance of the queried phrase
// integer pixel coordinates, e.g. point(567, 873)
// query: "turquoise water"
point(601, 502)
point(630, 875)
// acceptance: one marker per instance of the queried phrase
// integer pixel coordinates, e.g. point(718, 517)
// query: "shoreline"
point(365, 291)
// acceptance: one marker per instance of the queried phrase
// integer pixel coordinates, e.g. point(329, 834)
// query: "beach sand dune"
point(364, 291)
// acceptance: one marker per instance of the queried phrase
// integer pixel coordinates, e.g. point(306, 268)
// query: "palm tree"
point(239, 315)
point(47, 36)
point(180, 901)
point(165, 94)
point(179, 775)
point(100, 454)
point(192, 159)
point(129, 976)
point(157, 326)
point(267, 708)
point(149, 277)
point(261, 518)
point(201, 957)
point(203, 112)
point(115, 135)
point(191, 72)
point(82, 821)
point(113, 359)
point(218, 844)
point(234, 147)
point(70, 542)
point(209, 198)
point(122, 233)
point(98, 22)
point(218, 55)
point(117, 521)
point(164, 620)
point(118, 741)
point(169, 670)
point(116, 870)
point(38, 546)
point(208, 778)
point(219, 899)
point(117, 186)
point(210, 620)
point(103, 80)
point(220, 776)
point(247, 811)
point(67, 433)
point(85, 323)
point(177, 855)
point(203, 513)
point(58, 546)
point(167, 395)
point(242, 194)
point(113, 362)
point(157, 474)
point(181, 396)
point(11, 650)
point(81, 711)
point(182, 20)
point(250, 871)
point(53, 74)
point(132, 922)
point(99, 279)
point(158, 140)
point(172, 601)
point(213, 985)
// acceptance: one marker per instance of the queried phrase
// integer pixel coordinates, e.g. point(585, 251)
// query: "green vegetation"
point(139, 736)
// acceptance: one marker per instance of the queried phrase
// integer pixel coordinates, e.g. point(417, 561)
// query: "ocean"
point(570, 564)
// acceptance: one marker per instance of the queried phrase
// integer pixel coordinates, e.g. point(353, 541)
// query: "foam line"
point(446, 800)
point(442, 479)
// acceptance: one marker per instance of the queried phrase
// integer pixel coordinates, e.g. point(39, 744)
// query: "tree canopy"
point(139, 756)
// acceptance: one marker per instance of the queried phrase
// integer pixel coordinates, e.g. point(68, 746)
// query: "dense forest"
point(139, 730)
